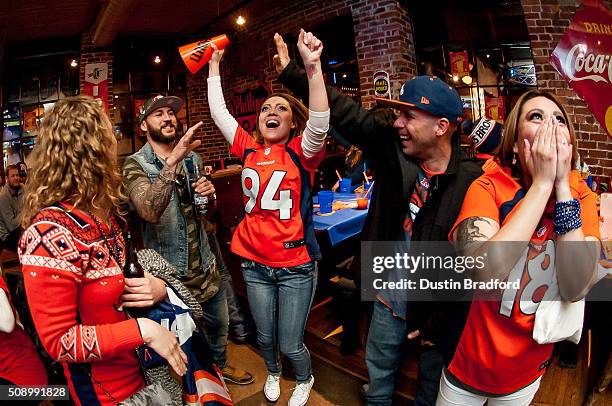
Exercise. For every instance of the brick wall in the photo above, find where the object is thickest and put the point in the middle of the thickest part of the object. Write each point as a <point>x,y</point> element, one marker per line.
<point>90,54</point>
<point>547,21</point>
<point>383,40</point>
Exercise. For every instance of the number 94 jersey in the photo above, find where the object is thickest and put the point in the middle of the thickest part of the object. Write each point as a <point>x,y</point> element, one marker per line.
<point>277,228</point>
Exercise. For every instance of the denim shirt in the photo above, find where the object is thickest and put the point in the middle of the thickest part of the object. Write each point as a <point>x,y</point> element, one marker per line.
<point>169,236</point>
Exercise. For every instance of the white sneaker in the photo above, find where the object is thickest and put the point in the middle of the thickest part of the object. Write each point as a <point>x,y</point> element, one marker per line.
<point>301,393</point>
<point>272,388</point>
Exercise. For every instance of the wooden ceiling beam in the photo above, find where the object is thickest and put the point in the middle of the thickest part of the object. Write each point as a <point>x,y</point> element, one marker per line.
<point>111,20</point>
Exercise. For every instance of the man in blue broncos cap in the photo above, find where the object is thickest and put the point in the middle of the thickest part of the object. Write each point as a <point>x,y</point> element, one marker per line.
<point>421,178</point>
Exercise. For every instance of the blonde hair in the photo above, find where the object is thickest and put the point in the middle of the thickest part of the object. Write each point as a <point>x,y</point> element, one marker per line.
<point>74,160</point>
<point>298,111</point>
<point>505,153</point>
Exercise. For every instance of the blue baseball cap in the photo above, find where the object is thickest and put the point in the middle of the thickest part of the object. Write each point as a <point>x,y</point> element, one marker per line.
<point>430,94</point>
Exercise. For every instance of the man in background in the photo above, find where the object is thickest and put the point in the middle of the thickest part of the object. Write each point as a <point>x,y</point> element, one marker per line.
<point>11,204</point>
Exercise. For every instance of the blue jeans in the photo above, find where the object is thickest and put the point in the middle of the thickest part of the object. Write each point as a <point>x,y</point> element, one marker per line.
<point>280,299</point>
<point>383,356</point>
<point>216,320</point>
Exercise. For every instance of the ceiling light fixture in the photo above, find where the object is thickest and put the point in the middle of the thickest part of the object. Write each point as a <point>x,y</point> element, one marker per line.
<point>455,78</point>
<point>240,20</point>
<point>157,59</point>
<point>73,63</point>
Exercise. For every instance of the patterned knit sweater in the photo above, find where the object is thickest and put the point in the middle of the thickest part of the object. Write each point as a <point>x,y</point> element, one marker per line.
<point>73,285</point>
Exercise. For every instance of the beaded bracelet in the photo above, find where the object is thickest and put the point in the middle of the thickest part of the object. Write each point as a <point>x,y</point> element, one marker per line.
<point>567,216</point>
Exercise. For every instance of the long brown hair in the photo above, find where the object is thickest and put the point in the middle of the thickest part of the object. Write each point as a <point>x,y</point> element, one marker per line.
<point>298,111</point>
<point>74,160</point>
<point>505,154</point>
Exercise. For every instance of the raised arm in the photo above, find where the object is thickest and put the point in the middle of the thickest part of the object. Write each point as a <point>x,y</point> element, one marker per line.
<point>313,139</point>
<point>357,125</point>
<point>226,123</point>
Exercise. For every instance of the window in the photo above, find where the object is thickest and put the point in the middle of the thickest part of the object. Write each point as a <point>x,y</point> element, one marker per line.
<point>31,84</point>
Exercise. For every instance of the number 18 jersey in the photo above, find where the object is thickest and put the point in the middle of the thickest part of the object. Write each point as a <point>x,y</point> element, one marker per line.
<point>496,353</point>
<point>277,227</point>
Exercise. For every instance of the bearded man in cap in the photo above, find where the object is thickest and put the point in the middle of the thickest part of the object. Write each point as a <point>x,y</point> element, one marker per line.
<point>159,182</point>
<point>421,179</point>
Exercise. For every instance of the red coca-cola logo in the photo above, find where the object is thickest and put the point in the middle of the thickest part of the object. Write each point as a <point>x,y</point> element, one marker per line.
<point>583,57</point>
<point>593,65</point>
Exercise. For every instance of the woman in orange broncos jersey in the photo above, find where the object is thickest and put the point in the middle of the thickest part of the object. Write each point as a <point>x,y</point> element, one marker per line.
<point>523,212</point>
<point>276,236</point>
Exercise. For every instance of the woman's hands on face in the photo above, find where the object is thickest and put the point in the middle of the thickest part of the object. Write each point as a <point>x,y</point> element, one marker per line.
<point>541,155</point>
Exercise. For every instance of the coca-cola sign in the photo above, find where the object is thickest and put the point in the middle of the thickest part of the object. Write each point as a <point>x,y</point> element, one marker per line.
<point>584,58</point>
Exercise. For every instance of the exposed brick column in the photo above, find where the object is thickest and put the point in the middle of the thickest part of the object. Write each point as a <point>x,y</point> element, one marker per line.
<point>547,21</point>
<point>90,54</point>
<point>384,41</point>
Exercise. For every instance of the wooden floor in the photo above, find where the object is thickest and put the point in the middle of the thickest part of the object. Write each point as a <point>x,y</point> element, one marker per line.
<point>571,387</point>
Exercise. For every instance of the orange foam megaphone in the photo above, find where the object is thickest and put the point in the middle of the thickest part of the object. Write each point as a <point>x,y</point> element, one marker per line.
<point>197,54</point>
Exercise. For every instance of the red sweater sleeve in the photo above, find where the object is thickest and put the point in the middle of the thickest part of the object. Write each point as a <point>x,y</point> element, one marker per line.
<point>52,261</point>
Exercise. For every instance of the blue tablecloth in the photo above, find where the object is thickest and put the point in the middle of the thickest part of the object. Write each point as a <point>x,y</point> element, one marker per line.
<point>341,224</point>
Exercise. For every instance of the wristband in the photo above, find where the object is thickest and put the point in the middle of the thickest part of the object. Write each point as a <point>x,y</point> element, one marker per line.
<point>567,216</point>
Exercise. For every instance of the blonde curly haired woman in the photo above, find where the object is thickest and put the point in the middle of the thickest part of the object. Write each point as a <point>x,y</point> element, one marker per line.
<point>72,253</point>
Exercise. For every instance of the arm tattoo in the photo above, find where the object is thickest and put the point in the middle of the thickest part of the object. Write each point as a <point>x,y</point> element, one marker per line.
<point>468,232</point>
<point>152,199</point>
<point>311,70</point>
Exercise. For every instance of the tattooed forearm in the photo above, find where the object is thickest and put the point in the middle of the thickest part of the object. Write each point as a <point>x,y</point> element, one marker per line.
<point>468,232</point>
<point>311,69</point>
<point>151,199</point>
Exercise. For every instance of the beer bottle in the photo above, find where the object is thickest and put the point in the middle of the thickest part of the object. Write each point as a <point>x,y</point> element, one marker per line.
<point>132,268</point>
<point>200,202</point>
